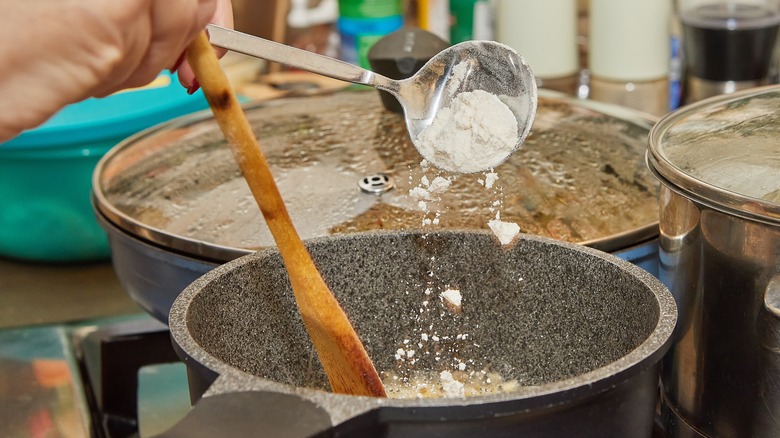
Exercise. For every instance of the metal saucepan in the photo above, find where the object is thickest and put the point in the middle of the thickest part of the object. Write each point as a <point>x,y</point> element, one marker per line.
<point>719,164</point>
<point>582,332</point>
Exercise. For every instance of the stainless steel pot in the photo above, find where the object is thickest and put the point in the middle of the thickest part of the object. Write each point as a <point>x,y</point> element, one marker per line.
<point>581,331</point>
<point>719,164</point>
<point>175,205</point>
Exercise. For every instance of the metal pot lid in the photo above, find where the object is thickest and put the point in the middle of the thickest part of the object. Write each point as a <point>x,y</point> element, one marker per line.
<point>344,164</point>
<point>724,152</point>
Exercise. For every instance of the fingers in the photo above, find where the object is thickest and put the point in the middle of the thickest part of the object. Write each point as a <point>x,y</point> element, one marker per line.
<point>222,16</point>
<point>84,48</point>
<point>124,28</point>
<point>172,25</point>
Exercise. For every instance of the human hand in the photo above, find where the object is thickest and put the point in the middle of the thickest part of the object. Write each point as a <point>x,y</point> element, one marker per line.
<point>223,16</point>
<point>174,24</point>
<point>57,52</point>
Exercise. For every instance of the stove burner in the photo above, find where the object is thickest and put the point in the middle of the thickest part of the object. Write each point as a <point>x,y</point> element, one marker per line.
<point>109,359</point>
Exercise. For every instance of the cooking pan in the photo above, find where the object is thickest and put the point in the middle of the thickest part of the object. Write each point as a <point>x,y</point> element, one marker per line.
<point>581,331</point>
<point>175,205</point>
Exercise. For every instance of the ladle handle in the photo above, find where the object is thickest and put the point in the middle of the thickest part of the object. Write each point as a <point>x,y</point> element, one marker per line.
<point>294,57</point>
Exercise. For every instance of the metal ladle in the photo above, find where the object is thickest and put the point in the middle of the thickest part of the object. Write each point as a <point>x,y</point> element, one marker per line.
<point>491,66</point>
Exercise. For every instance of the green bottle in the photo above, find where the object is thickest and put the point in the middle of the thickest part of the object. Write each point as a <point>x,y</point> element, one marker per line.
<point>364,22</point>
<point>471,20</point>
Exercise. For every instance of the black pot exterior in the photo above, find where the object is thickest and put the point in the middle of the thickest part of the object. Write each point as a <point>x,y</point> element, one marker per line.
<point>627,410</point>
<point>152,276</point>
<point>624,411</point>
<point>220,328</point>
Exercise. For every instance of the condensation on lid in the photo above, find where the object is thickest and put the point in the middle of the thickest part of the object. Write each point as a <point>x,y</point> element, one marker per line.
<point>580,177</point>
<point>724,151</point>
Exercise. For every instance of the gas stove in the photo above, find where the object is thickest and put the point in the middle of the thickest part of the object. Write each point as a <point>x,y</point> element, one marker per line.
<point>78,358</point>
<point>115,377</point>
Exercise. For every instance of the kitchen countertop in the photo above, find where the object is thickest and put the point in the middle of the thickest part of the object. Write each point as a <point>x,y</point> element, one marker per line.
<point>40,391</point>
<point>37,293</point>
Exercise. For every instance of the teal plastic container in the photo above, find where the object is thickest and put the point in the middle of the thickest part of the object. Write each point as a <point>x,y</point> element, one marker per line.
<point>46,173</point>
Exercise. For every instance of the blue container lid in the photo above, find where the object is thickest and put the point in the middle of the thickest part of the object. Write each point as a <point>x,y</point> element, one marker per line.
<point>118,115</point>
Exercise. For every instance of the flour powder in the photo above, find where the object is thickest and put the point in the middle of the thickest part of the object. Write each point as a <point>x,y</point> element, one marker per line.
<point>476,132</point>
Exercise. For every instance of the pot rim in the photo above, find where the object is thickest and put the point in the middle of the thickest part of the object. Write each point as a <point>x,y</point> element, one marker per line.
<point>643,357</point>
<point>678,180</point>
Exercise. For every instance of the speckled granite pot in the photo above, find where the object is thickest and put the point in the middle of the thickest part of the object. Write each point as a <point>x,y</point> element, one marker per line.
<point>582,330</point>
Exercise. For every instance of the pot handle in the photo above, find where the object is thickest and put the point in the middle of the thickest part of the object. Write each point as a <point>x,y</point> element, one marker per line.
<point>252,414</point>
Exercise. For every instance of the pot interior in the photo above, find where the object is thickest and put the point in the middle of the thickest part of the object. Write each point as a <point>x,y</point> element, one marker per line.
<point>539,312</point>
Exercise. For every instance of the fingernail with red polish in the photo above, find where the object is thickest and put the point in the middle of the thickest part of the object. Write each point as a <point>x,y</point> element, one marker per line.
<point>194,87</point>
<point>177,64</point>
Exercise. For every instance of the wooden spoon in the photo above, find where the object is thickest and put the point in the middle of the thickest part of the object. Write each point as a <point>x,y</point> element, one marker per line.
<point>346,363</point>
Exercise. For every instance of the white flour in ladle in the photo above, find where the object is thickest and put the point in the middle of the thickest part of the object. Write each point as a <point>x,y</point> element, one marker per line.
<point>476,132</point>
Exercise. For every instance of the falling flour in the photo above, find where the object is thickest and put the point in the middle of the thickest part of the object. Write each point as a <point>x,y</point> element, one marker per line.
<point>431,345</point>
<point>452,299</point>
<point>490,179</point>
<point>476,132</point>
<point>504,231</point>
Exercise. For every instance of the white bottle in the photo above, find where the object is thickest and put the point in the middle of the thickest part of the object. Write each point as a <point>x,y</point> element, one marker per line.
<point>434,16</point>
<point>629,53</point>
<point>545,34</point>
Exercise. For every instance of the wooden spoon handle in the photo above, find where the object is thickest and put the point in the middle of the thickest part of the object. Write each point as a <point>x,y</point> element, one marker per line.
<point>346,363</point>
